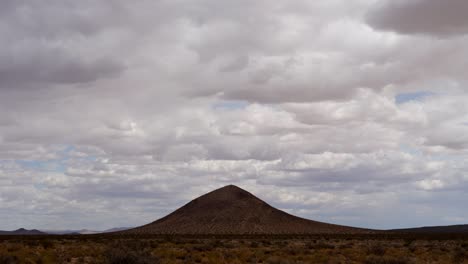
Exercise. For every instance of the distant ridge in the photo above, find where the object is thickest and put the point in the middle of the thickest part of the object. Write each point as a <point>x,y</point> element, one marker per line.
<point>435,229</point>
<point>115,229</point>
<point>232,210</point>
<point>83,231</point>
<point>22,231</point>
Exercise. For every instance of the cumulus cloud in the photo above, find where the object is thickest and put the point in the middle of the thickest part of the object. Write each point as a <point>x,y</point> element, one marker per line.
<point>117,107</point>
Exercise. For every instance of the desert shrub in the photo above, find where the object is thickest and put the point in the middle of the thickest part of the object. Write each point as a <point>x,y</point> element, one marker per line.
<point>309,245</point>
<point>254,244</point>
<point>14,247</point>
<point>459,255</point>
<point>277,260</point>
<point>128,257</point>
<point>292,251</point>
<point>31,243</point>
<point>217,244</point>
<point>377,249</point>
<point>154,244</point>
<point>178,242</point>
<point>123,254</point>
<point>229,255</point>
<point>408,242</point>
<point>253,259</point>
<point>444,249</point>
<point>203,247</point>
<point>284,243</point>
<point>346,245</point>
<point>8,259</point>
<point>412,248</point>
<point>385,260</point>
<point>46,244</point>
<point>322,245</point>
<point>230,245</point>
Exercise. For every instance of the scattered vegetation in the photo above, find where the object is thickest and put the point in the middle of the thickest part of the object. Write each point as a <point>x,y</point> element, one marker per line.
<point>133,252</point>
<point>369,249</point>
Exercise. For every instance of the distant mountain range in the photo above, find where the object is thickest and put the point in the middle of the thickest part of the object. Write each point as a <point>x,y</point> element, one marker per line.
<point>435,229</point>
<point>83,231</point>
<point>22,231</point>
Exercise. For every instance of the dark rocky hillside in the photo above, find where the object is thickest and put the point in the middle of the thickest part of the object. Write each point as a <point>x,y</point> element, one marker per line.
<point>232,210</point>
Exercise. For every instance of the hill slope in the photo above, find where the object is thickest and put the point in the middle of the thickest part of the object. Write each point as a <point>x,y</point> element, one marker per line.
<point>232,210</point>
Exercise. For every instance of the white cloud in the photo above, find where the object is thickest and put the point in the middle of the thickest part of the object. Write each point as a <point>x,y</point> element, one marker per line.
<point>140,107</point>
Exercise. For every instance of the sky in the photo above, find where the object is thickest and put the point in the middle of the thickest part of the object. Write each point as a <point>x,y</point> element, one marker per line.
<point>115,113</point>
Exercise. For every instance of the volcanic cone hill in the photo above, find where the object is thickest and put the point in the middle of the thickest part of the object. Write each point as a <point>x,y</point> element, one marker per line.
<point>232,210</point>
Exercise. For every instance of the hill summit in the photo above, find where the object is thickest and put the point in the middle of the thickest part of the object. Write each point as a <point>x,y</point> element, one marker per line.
<point>232,210</point>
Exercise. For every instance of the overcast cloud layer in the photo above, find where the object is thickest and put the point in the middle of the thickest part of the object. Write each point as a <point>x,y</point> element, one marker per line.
<point>114,113</point>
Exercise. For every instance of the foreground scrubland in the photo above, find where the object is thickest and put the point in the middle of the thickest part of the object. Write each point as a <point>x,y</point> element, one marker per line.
<point>384,249</point>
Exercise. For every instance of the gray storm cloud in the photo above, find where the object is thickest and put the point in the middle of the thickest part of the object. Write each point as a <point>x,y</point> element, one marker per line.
<point>428,17</point>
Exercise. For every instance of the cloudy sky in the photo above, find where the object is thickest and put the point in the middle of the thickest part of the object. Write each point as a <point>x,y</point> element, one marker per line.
<point>114,113</point>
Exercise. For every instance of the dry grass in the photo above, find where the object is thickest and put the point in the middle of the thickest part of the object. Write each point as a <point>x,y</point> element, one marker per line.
<point>264,249</point>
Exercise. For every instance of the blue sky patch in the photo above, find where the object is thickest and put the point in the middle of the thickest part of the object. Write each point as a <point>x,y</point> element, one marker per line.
<point>42,165</point>
<point>230,105</point>
<point>410,150</point>
<point>402,98</point>
<point>55,165</point>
